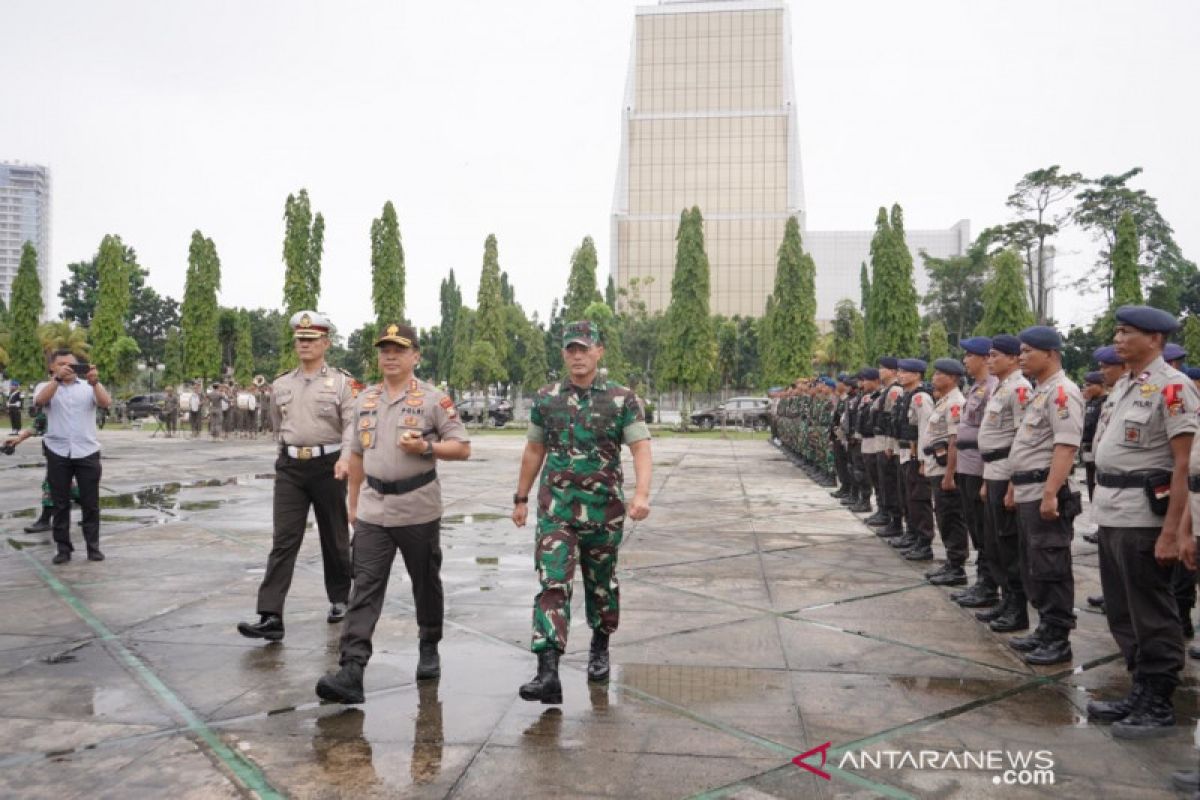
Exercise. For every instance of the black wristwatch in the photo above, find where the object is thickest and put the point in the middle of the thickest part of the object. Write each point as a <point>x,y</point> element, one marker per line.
<point>428,450</point>
<point>518,499</point>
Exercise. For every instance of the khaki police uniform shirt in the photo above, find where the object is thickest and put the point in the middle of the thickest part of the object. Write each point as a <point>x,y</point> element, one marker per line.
<point>969,462</point>
<point>1194,497</point>
<point>381,419</point>
<point>1140,417</point>
<point>920,406</point>
<point>312,411</point>
<point>941,424</point>
<point>1001,418</point>
<point>1053,416</point>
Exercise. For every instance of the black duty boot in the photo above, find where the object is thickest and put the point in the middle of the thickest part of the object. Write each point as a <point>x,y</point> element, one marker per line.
<point>1092,538</point>
<point>1152,716</point>
<point>269,627</point>
<point>952,576</point>
<point>1105,711</point>
<point>598,658</point>
<point>840,493</point>
<point>921,551</point>
<point>903,541</point>
<point>1194,651</point>
<point>545,685</point>
<point>996,612</point>
<point>43,522</point>
<point>429,665</point>
<point>343,686</point>
<point>849,499</point>
<point>1055,648</point>
<point>1030,641</point>
<point>893,529</point>
<point>863,506</point>
<point>938,570</point>
<point>1016,618</point>
<point>878,519</point>
<point>1096,601</point>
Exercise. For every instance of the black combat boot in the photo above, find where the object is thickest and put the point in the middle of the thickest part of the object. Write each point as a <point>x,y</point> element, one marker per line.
<point>895,527</point>
<point>903,541</point>
<point>1096,601</point>
<point>863,506</point>
<point>1055,648</point>
<point>850,498</point>
<point>1185,616</point>
<point>1030,641</point>
<point>1105,711</point>
<point>598,658</point>
<point>878,519</point>
<point>343,686</point>
<point>938,570</point>
<point>997,611</point>
<point>920,551</point>
<point>1016,618</point>
<point>1153,715</point>
<point>1194,651</point>
<point>545,685</point>
<point>43,522</point>
<point>1092,538</point>
<point>979,596</point>
<point>429,665</point>
<point>952,576</point>
<point>269,627</point>
<point>840,493</point>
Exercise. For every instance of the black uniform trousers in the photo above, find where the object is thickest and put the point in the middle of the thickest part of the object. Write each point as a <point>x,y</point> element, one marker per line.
<point>1183,586</point>
<point>841,463</point>
<point>172,420</point>
<point>196,421</point>
<point>858,471</point>
<point>374,551</point>
<point>918,499</point>
<point>975,515</point>
<point>86,471</point>
<point>948,508</point>
<point>889,485</point>
<point>902,494</point>
<point>299,485</point>
<point>871,466</point>
<point>14,418</point>
<point>1046,564</point>
<point>1142,613</point>
<point>1004,540</point>
<point>1089,471</point>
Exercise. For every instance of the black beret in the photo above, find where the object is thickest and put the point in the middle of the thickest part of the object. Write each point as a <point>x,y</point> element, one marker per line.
<point>1041,337</point>
<point>1009,345</point>
<point>868,374</point>
<point>949,366</point>
<point>977,345</point>
<point>912,365</point>
<point>1173,352</point>
<point>1147,318</point>
<point>1094,377</point>
<point>1107,355</point>
<point>888,361</point>
<point>1192,372</point>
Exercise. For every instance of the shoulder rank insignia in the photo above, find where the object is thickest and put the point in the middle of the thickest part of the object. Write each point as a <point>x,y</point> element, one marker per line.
<point>1173,396</point>
<point>364,439</point>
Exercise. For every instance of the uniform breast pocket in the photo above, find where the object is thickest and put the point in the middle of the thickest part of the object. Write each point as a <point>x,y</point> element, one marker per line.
<point>283,399</point>
<point>1135,426</point>
<point>327,404</point>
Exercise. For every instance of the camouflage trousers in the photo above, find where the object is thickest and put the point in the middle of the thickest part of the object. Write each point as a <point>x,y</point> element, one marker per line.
<point>560,546</point>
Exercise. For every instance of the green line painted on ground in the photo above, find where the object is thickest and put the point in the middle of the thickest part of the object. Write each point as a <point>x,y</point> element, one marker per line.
<point>245,770</point>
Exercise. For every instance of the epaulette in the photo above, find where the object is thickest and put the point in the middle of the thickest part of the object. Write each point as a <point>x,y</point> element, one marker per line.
<point>280,375</point>
<point>346,373</point>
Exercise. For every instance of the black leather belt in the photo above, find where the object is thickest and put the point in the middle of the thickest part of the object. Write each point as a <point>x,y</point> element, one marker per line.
<point>1194,483</point>
<point>1026,477</point>
<point>960,446</point>
<point>402,486</point>
<point>995,455</point>
<point>1136,481</point>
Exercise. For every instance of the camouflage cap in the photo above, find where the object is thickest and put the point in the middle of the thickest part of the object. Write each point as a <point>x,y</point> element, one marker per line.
<point>583,332</point>
<point>394,333</point>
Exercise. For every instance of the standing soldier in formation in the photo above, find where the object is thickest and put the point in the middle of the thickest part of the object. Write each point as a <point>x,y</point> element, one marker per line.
<point>312,414</point>
<point>405,426</point>
<point>940,461</point>
<point>911,412</point>
<point>576,428</point>
<point>1142,447</point>
<point>216,413</point>
<point>266,397</point>
<point>840,441</point>
<point>968,475</point>
<point>891,496</point>
<point>868,378</point>
<point>1001,419</point>
<point>1094,395</point>
<point>171,412</point>
<point>195,403</point>
<point>16,399</point>
<point>1041,459</point>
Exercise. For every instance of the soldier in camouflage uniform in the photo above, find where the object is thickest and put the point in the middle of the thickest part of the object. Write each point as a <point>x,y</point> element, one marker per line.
<point>576,427</point>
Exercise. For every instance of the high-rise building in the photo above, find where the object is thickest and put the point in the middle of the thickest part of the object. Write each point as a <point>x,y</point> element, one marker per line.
<point>710,120</point>
<point>24,217</point>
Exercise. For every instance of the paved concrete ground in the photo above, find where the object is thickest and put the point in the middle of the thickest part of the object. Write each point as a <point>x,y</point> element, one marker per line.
<point>760,620</point>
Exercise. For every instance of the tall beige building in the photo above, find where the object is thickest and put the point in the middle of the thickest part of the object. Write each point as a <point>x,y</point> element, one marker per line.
<point>709,120</point>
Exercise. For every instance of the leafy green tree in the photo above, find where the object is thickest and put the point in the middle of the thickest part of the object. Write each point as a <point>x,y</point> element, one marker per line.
<point>110,351</point>
<point>62,335</point>
<point>243,359</point>
<point>1126,284</point>
<point>1190,336</point>
<point>26,360</point>
<point>610,294</point>
<point>266,324</point>
<point>460,375</point>
<point>581,285</point>
<point>173,373</point>
<point>864,288</point>
<point>387,267</point>
<point>936,341</point>
<point>489,314</point>
<point>450,301</point>
<point>610,329</point>
<point>956,289</point>
<point>1005,304</point>
<point>303,246</point>
<point>200,314</point>
<point>642,335</point>
<point>688,344</point>
<point>534,371</point>
<point>848,348</point>
<point>790,328</point>
<point>894,319</point>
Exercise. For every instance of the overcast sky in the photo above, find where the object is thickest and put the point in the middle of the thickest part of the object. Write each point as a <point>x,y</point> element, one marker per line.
<point>486,117</point>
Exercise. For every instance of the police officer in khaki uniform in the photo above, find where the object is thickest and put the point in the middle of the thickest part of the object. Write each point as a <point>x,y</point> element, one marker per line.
<point>312,411</point>
<point>404,426</point>
<point>1001,418</point>
<point>968,471</point>
<point>940,461</point>
<point>1143,443</point>
<point>911,412</point>
<point>891,479</point>
<point>1043,454</point>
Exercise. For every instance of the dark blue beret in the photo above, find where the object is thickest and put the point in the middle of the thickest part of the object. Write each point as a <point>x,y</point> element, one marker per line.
<point>977,345</point>
<point>1147,318</point>
<point>949,366</point>
<point>828,382</point>
<point>1041,337</point>
<point>842,376</point>
<point>1173,352</point>
<point>912,365</point>
<point>1093,377</point>
<point>1107,355</point>
<point>851,380</point>
<point>1009,345</point>
<point>868,374</point>
<point>888,361</point>
<point>1192,372</point>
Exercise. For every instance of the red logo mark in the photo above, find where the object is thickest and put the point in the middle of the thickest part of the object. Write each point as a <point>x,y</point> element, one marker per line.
<point>823,750</point>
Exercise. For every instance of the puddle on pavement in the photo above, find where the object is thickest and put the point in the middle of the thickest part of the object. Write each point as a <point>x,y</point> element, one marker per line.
<point>470,519</point>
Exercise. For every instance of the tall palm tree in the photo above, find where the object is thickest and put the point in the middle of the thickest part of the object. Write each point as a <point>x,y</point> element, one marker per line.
<point>63,335</point>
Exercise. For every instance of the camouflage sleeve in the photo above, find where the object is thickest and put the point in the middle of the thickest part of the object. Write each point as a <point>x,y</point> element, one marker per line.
<point>537,423</point>
<point>633,420</point>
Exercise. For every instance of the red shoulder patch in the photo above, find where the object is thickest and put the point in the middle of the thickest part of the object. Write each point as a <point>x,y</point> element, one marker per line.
<point>917,400</point>
<point>955,411</point>
<point>446,402</point>
<point>1061,399</point>
<point>1173,396</point>
<point>1022,394</point>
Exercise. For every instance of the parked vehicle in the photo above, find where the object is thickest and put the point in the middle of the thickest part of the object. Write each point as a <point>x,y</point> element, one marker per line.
<point>145,405</point>
<point>747,412</point>
<point>500,411</point>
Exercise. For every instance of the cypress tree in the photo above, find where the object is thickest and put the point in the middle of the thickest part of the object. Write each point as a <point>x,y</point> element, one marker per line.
<point>848,351</point>
<point>489,344</point>
<point>199,317</point>
<point>450,302</point>
<point>303,245</point>
<point>243,351</point>
<point>1127,285</point>
<point>26,360</point>
<point>387,268</point>
<point>689,347</point>
<point>113,351</point>
<point>1190,336</point>
<point>938,340</point>
<point>610,294</point>
<point>791,328</point>
<point>894,295</point>
<point>581,285</point>
<point>1005,303</point>
<point>173,358</point>
<point>610,329</point>
<point>535,369</point>
<point>879,256</point>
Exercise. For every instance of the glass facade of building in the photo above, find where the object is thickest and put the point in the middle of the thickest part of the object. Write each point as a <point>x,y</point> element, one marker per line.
<point>24,217</point>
